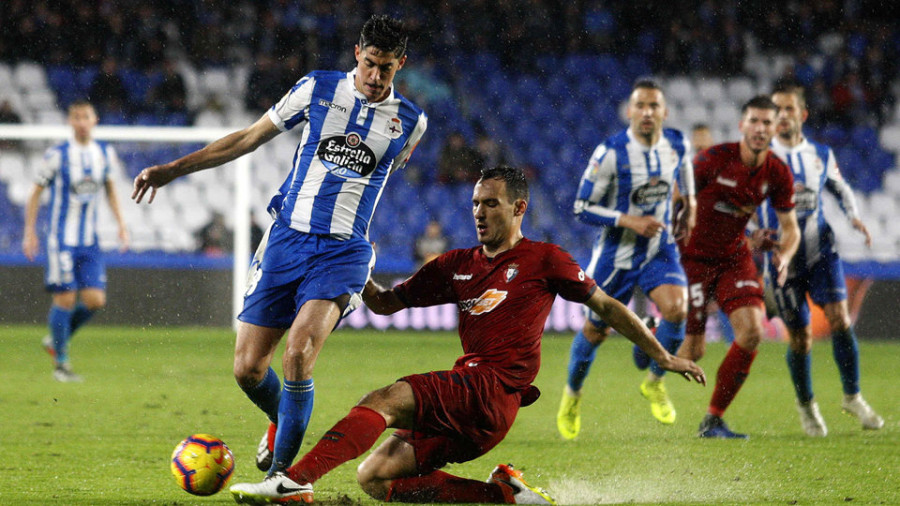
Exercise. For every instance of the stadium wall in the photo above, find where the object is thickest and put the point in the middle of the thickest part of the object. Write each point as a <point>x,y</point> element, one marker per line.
<point>201,296</point>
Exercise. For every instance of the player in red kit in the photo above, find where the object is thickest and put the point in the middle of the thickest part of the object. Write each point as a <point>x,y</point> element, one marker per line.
<point>503,290</point>
<point>731,181</point>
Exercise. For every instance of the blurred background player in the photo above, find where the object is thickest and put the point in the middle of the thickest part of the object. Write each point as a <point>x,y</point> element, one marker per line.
<point>75,171</point>
<point>312,265</point>
<point>701,137</point>
<point>816,269</point>
<point>732,181</point>
<point>460,414</point>
<point>627,190</point>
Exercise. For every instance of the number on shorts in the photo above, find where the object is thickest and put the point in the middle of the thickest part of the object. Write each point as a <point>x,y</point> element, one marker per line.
<point>695,291</point>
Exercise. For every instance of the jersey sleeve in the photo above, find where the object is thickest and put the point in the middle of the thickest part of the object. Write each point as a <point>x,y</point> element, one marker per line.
<point>686,184</point>
<point>566,277</point>
<point>411,143</point>
<point>781,189</point>
<point>293,108</point>
<point>430,285</point>
<point>49,167</point>
<point>838,186</point>
<point>597,180</point>
<point>115,170</point>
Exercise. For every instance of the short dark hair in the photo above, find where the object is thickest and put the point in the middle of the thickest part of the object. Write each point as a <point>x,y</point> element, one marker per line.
<point>648,84</point>
<point>385,33</point>
<point>79,102</point>
<point>700,126</point>
<point>516,183</point>
<point>759,102</point>
<point>791,88</point>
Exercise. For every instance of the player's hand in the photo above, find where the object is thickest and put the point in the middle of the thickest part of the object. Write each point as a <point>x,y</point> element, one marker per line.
<point>688,369</point>
<point>781,267</point>
<point>859,225</point>
<point>646,226</point>
<point>30,245</point>
<point>151,178</point>
<point>763,239</point>
<point>683,222</point>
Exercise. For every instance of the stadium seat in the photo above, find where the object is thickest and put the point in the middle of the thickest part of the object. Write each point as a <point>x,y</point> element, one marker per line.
<point>740,89</point>
<point>6,78</point>
<point>680,89</point>
<point>710,91</point>
<point>29,75</point>
<point>12,167</point>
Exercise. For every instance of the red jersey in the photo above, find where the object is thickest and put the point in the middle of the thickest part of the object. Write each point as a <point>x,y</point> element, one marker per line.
<point>728,193</point>
<point>503,302</point>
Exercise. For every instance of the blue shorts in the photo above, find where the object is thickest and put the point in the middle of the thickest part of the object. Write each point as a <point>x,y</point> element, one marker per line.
<point>824,282</point>
<point>74,268</point>
<point>291,268</point>
<point>662,269</point>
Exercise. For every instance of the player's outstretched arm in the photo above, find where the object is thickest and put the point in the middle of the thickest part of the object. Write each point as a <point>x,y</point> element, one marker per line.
<point>214,154</point>
<point>112,196</point>
<point>381,300</point>
<point>787,244</point>
<point>629,325</point>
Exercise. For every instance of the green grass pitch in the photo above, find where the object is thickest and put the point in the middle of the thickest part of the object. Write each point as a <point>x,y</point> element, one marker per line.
<point>108,441</point>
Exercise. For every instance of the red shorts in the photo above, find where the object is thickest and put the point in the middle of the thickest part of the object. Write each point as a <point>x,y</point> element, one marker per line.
<point>460,415</point>
<point>732,282</point>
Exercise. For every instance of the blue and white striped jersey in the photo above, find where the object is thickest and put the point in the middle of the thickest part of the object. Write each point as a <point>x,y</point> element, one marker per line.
<point>75,174</point>
<point>627,177</point>
<point>348,149</point>
<point>815,169</point>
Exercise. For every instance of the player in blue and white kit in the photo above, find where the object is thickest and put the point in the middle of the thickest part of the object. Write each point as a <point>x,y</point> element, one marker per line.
<point>75,171</point>
<point>627,190</point>
<point>314,260</point>
<point>816,269</point>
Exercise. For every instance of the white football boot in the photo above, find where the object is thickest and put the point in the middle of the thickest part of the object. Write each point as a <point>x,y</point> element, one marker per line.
<point>275,489</point>
<point>811,419</point>
<point>858,407</point>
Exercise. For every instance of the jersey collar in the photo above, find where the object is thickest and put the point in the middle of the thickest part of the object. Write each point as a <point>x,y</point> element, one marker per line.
<point>351,81</point>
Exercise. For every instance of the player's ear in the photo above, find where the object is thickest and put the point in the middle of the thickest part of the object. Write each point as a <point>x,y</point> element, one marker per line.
<point>520,206</point>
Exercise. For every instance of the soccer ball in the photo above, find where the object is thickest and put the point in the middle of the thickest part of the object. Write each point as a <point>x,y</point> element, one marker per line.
<point>202,464</point>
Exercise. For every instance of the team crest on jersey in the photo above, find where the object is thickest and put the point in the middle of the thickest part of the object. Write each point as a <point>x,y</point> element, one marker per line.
<point>86,189</point>
<point>347,156</point>
<point>649,195</point>
<point>511,272</point>
<point>806,200</point>
<point>485,303</point>
<point>394,128</point>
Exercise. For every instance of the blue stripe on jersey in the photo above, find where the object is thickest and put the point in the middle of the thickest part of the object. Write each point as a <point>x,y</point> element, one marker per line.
<point>620,144</point>
<point>62,197</point>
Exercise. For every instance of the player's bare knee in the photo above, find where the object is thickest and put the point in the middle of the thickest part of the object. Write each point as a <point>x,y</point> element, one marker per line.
<point>673,310</point>
<point>801,341</point>
<point>594,334</point>
<point>248,373</point>
<point>370,482</point>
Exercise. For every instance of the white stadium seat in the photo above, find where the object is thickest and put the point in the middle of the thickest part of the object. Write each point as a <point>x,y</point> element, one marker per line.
<point>30,75</point>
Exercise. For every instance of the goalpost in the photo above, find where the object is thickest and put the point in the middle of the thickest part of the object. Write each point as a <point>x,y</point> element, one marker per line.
<point>172,135</point>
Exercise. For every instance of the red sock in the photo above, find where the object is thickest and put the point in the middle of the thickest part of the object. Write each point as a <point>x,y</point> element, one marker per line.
<point>440,487</point>
<point>348,439</point>
<point>732,373</point>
